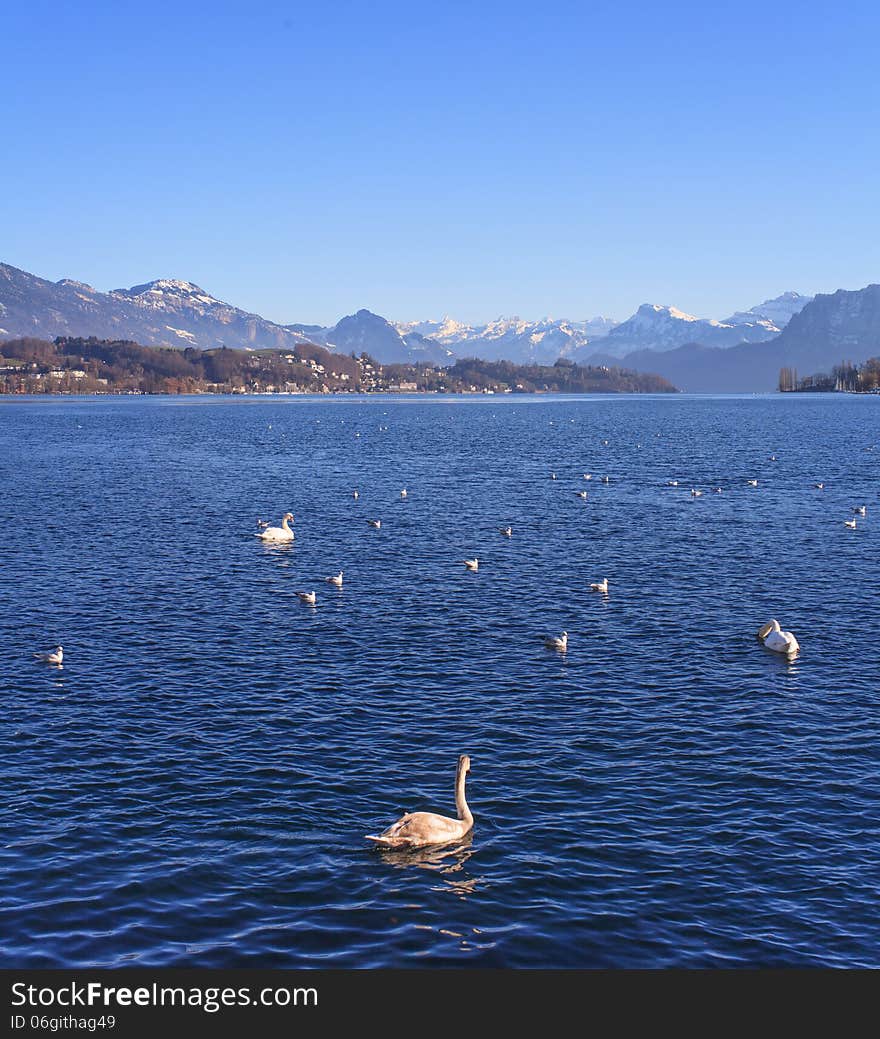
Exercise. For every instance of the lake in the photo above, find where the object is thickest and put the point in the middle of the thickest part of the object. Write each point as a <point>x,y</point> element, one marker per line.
<point>193,787</point>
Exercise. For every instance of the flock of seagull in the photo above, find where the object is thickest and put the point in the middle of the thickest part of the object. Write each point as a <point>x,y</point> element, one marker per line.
<point>421,829</point>
<point>770,634</point>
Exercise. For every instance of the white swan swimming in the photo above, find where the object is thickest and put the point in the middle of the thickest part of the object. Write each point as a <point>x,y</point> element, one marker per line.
<point>309,598</point>
<point>417,829</point>
<point>850,523</point>
<point>600,586</point>
<point>282,533</point>
<point>376,524</point>
<point>472,564</point>
<point>560,644</point>
<point>55,657</point>
<point>337,580</point>
<point>506,531</point>
<point>773,637</point>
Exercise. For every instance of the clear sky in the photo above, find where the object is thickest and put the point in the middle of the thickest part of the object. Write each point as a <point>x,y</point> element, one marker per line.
<point>564,159</point>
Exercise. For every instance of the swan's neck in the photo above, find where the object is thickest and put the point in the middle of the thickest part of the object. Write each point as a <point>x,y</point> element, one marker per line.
<point>464,813</point>
<point>285,523</point>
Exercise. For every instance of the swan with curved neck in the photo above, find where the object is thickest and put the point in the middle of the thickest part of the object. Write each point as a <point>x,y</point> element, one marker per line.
<point>773,637</point>
<point>282,533</point>
<point>418,829</point>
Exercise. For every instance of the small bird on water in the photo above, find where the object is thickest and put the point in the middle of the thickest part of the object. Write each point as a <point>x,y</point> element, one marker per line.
<point>403,493</point>
<point>376,524</point>
<point>309,598</point>
<point>506,531</point>
<point>55,657</point>
<point>850,523</point>
<point>581,494</point>
<point>337,580</point>
<point>560,643</point>
<point>600,586</point>
<point>472,564</point>
<point>355,495</point>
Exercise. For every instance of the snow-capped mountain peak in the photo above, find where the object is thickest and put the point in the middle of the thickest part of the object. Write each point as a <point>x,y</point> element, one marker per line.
<point>773,314</point>
<point>165,292</point>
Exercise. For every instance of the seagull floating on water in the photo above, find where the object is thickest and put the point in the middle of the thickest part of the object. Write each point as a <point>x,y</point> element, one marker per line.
<point>850,523</point>
<point>773,637</point>
<point>588,476</point>
<point>600,586</point>
<point>309,598</point>
<point>672,483</point>
<point>606,479</point>
<point>355,495</point>
<point>695,493</point>
<point>282,533</point>
<point>506,531</point>
<point>718,490</point>
<point>403,493</point>
<point>337,580</point>
<point>262,524</point>
<point>861,510</point>
<point>581,494</point>
<point>418,829</point>
<point>553,476</point>
<point>472,564</point>
<point>375,523</point>
<point>752,483</point>
<point>819,486</point>
<point>55,657</point>
<point>560,643</point>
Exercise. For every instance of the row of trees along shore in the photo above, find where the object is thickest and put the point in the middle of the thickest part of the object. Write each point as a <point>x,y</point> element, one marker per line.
<point>843,378</point>
<point>90,365</point>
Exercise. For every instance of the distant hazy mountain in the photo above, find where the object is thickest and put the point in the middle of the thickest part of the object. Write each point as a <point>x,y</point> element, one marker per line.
<point>365,332</point>
<point>655,327</point>
<point>772,314</point>
<point>841,326</point>
<point>168,312</point>
<point>513,339</point>
<point>165,312</point>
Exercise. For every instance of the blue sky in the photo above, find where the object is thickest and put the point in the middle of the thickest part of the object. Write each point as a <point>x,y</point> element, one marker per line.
<point>478,159</point>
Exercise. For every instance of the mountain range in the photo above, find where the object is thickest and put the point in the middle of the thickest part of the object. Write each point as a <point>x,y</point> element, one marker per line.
<point>743,352</point>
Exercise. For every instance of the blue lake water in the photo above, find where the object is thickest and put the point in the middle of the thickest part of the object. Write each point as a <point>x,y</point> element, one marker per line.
<point>193,787</point>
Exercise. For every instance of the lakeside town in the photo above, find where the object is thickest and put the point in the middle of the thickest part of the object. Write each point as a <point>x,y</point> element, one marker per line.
<point>69,365</point>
